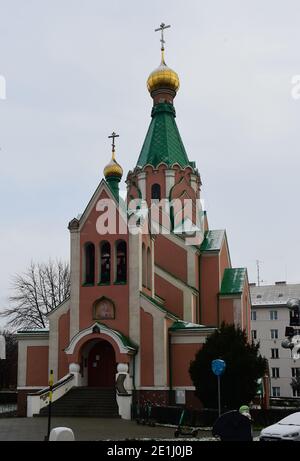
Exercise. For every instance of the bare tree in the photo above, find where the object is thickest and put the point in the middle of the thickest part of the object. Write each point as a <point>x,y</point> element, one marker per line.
<point>36,293</point>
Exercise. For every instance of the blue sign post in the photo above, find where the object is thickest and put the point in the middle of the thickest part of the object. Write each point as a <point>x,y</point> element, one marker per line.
<point>218,367</point>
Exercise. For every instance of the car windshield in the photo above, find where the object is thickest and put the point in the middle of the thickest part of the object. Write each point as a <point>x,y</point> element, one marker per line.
<point>291,420</point>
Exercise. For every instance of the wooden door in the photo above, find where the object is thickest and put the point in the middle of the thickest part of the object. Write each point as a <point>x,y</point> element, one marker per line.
<point>102,365</point>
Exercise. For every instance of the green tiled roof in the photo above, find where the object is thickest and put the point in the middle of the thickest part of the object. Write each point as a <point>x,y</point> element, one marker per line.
<point>124,339</point>
<point>233,281</point>
<point>212,240</point>
<point>163,142</point>
<point>181,325</point>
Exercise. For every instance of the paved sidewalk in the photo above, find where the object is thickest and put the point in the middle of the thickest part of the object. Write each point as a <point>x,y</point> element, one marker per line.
<point>91,429</point>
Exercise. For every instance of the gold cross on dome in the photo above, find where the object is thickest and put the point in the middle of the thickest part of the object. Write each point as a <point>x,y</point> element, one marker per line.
<point>113,136</point>
<point>162,27</point>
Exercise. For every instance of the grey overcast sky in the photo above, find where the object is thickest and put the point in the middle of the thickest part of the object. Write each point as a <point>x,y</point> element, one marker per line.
<point>76,70</point>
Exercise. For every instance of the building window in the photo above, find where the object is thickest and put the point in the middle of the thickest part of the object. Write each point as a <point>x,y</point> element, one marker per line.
<point>273,315</point>
<point>275,372</point>
<point>296,392</point>
<point>295,372</point>
<point>253,315</point>
<point>144,265</point>
<point>149,270</point>
<point>274,353</point>
<point>155,192</point>
<point>89,263</point>
<point>121,271</point>
<point>254,334</point>
<point>105,262</point>
<point>274,334</point>
<point>275,391</point>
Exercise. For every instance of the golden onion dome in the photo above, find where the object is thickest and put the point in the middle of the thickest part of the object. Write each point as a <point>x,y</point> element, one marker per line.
<point>113,168</point>
<point>163,77</point>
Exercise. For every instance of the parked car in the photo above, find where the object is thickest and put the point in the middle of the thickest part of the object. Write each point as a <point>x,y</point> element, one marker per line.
<point>287,428</point>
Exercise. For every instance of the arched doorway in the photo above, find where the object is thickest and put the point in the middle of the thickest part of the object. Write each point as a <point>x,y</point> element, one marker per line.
<point>101,365</point>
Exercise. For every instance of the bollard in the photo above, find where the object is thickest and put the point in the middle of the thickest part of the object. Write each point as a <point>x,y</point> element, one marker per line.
<point>61,434</point>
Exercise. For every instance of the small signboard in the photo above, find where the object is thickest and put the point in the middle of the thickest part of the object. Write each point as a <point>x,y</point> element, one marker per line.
<point>218,367</point>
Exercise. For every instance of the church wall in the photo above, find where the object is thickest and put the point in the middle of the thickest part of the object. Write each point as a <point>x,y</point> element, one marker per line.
<point>173,296</point>
<point>171,257</point>
<point>37,366</point>
<point>224,260</point>
<point>118,293</point>
<point>210,285</point>
<point>227,311</point>
<point>182,355</point>
<point>63,341</point>
<point>147,349</point>
<point>155,177</point>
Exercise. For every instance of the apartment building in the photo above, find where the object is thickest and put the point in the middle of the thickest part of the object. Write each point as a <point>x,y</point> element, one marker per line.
<point>269,318</point>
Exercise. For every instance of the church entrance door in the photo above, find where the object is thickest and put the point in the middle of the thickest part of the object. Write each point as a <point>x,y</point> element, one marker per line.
<point>102,365</point>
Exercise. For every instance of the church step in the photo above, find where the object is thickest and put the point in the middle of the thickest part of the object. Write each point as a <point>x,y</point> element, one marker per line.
<point>85,401</point>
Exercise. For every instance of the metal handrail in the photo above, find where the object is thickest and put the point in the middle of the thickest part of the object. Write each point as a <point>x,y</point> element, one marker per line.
<point>55,386</point>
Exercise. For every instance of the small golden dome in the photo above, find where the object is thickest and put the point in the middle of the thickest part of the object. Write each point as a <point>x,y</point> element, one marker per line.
<point>163,77</point>
<point>113,169</point>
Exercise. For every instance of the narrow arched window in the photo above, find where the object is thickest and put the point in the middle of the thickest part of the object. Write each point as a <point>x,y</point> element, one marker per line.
<point>144,265</point>
<point>155,192</point>
<point>105,261</point>
<point>89,254</point>
<point>121,260</point>
<point>149,269</point>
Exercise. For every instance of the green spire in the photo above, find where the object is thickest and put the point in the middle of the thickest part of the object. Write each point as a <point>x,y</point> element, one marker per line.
<point>163,142</point>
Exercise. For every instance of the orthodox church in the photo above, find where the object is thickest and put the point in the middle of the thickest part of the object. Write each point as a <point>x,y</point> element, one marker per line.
<point>143,298</point>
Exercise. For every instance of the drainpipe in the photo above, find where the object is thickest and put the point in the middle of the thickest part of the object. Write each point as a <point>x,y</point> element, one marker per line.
<point>170,368</point>
<point>199,314</point>
<point>134,388</point>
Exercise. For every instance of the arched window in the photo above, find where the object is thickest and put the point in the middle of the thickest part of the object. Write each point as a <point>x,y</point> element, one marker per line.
<point>89,254</point>
<point>105,262</point>
<point>149,269</point>
<point>121,266</point>
<point>155,192</point>
<point>144,265</point>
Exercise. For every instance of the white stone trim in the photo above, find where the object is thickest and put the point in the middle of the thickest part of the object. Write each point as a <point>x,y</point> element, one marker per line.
<point>188,339</point>
<point>153,388</point>
<point>141,178</point>
<point>104,330</point>
<point>185,388</point>
<point>160,335</point>
<point>169,180</point>
<point>135,286</point>
<point>36,402</point>
<point>191,270</point>
<point>27,388</point>
<point>194,184</point>
<point>54,336</point>
<point>75,281</point>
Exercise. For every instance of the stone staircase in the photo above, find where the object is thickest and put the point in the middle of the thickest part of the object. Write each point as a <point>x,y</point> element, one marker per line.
<point>85,401</point>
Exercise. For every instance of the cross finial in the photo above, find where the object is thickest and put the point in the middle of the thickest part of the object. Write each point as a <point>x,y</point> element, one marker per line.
<point>161,28</point>
<point>113,136</point>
